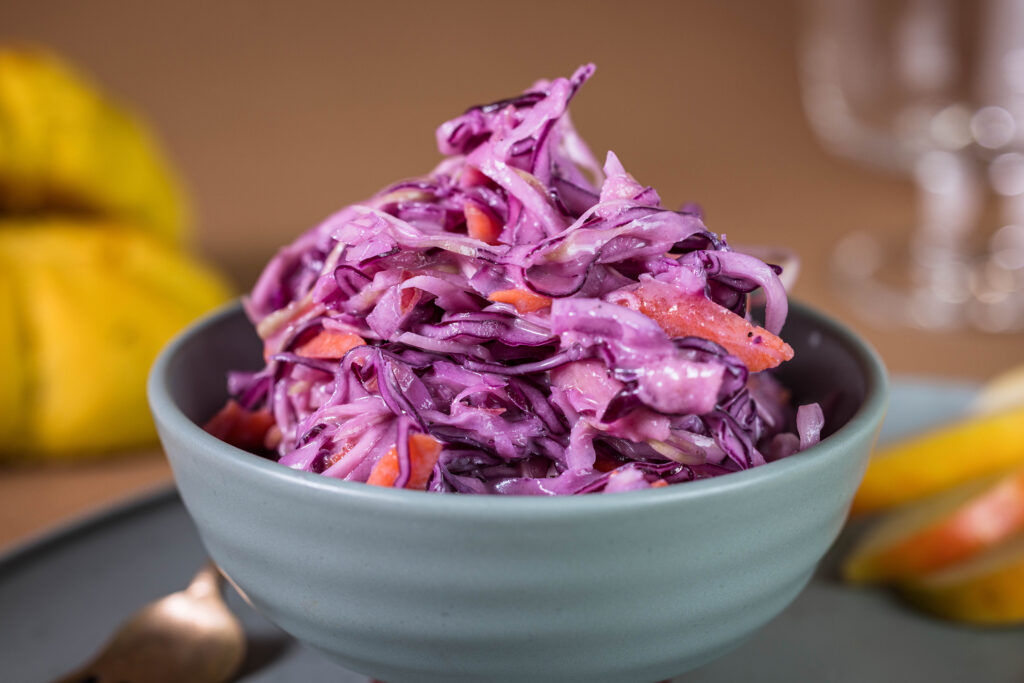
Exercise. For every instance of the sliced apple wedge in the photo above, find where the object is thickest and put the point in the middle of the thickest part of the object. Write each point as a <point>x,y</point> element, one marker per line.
<point>924,465</point>
<point>987,589</point>
<point>940,531</point>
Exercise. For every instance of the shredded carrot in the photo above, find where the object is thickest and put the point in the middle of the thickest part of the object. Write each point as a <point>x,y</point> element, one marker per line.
<point>682,315</point>
<point>386,470</point>
<point>472,177</point>
<point>603,463</point>
<point>245,429</point>
<point>524,301</point>
<point>423,453</point>
<point>661,483</point>
<point>480,224</point>
<point>409,298</point>
<point>329,344</point>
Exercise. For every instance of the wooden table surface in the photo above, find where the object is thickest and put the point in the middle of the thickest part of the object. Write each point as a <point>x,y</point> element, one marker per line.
<point>278,114</point>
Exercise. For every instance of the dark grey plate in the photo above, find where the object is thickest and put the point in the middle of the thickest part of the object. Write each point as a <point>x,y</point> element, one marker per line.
<point>63,594</point>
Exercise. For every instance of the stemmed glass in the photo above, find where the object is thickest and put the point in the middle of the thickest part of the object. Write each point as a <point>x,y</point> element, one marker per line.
<point>933,89</point>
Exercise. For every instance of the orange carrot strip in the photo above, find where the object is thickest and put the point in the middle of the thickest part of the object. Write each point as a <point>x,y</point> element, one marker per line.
<point>423,453</point>
<point>472,177</point>
<point>603,463</point>
<point>524,301</point>
<point>333,458</point>
<point>682,315</point>
<point>424,450</point>
<point>409,298</point>
<point>480,224</point>
<point>386,470</point>
<point>239,427</point>
<point>329,344</point>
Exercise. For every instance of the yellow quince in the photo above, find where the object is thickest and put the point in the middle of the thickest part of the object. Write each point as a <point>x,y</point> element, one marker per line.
<point>65,147</point>
<point>94,277</point>
<point>85,309</point>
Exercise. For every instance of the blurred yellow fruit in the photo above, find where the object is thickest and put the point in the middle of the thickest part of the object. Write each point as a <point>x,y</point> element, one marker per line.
<point>954,544</point>
<point>940,531</point>
<point>84,308</point>
<point>66,148</point>
<point>13,370</point>
<point>926,464</point>
<point>987,590</point>
<point>1002,392</point>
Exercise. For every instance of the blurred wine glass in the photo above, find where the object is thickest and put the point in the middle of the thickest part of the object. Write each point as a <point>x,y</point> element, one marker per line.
<point>933,89</point>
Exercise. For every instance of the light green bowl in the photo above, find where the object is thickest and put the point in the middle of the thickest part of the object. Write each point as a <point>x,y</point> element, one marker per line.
<point>414,586</point>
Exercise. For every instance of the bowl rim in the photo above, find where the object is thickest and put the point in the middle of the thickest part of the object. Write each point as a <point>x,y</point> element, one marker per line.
<point>866,419</point>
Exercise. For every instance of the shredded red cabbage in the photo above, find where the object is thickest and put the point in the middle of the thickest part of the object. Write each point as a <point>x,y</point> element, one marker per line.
<point>520,321</point>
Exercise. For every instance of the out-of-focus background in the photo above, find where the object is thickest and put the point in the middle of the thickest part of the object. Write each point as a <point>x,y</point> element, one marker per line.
<point>277,114</point>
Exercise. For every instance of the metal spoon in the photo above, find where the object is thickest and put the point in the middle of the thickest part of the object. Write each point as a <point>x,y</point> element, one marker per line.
<point>187,636</point>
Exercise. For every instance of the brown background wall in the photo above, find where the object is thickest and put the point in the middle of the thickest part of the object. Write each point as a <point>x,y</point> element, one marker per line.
<point>279,113</point>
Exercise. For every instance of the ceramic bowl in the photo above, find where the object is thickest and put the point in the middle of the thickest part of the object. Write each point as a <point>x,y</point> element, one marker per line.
<point>415,586</point>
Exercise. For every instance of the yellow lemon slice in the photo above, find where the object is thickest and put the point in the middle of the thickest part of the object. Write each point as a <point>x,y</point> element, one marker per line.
<point>951,455</point>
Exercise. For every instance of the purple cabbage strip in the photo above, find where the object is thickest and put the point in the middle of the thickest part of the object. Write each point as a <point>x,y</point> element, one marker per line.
<point>563,395</point>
